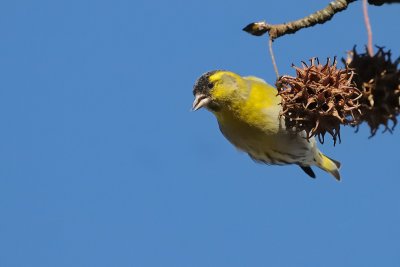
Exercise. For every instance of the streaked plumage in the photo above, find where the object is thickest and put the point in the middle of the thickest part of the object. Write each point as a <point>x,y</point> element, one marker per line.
<point>247,110</point>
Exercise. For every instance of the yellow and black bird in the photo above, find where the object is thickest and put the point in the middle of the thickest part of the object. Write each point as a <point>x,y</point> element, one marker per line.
<point>247,110</point>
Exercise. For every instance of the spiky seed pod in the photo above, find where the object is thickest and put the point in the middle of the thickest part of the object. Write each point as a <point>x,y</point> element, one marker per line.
<point>381,2</point>
<point>319,99</point>
<point>378,78</point>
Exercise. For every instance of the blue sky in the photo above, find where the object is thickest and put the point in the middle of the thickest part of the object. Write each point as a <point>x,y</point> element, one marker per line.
<point>102,164</point>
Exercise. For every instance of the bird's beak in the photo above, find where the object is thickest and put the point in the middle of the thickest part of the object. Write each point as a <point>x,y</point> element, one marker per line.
<point>200,101</point>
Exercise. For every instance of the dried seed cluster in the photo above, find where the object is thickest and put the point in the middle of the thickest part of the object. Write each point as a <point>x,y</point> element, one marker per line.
<point>378,79</point>
<point>319,99</point>
<point>381,2</point>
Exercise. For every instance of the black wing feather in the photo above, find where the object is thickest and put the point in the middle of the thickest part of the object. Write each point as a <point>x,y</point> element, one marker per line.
<point>308,170</point>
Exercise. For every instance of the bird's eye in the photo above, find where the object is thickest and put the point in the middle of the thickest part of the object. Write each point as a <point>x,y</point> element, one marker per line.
<point>210,85</point>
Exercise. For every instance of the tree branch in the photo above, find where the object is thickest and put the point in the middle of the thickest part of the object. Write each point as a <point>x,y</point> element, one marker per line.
<point>319,17</point>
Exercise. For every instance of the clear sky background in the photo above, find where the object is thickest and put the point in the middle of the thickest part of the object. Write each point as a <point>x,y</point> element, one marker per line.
<point>102,164</point>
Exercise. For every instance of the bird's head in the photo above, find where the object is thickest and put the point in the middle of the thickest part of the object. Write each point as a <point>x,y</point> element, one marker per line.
<point>215,90</point>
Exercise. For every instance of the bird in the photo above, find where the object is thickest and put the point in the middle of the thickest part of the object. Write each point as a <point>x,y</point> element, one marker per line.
<point>248,113</point>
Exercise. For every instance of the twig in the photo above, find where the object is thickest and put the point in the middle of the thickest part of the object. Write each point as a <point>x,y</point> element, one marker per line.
<point>368,26</point>
<point>271,52</point>
<point>319,17</point>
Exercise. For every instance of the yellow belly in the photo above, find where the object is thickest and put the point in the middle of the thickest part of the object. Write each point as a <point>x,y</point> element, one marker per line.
<point>272,146</point>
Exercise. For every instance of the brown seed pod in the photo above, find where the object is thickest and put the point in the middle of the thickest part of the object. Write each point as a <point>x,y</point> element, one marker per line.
<point>378,79</point>
<point>381,2</point>
<point>319,99</point>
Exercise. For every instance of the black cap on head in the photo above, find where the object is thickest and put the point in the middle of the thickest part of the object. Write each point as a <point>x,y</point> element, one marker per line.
<point>203,84</point>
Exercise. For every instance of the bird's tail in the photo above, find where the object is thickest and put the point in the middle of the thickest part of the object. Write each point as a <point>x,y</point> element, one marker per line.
<point>329,165</point>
